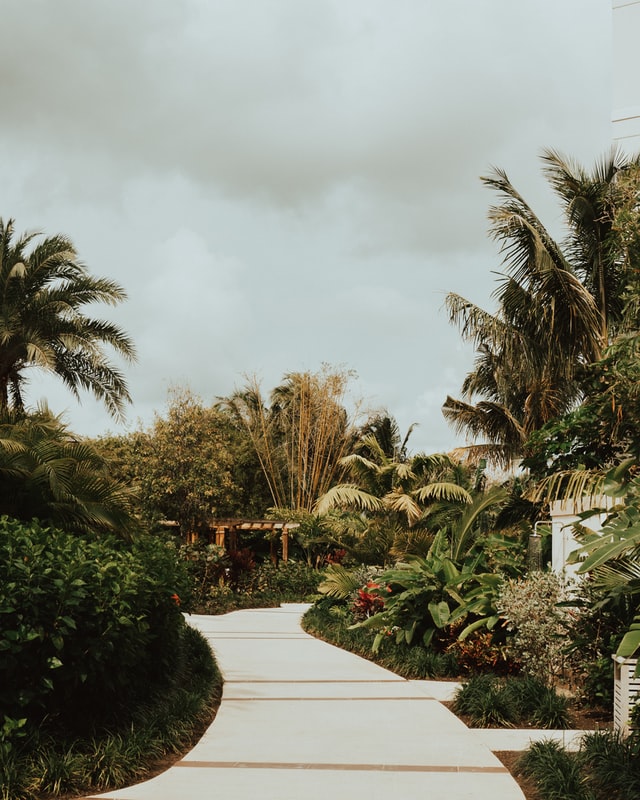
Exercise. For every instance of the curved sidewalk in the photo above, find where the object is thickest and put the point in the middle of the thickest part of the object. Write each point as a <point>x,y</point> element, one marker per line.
<point>303,720</point>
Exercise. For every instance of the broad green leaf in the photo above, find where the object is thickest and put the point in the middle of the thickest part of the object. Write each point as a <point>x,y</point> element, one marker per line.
<point>440,613</point>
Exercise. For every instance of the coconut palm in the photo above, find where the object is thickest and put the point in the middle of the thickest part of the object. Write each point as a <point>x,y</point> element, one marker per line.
<point>558,306</point>
<point>43,291</point>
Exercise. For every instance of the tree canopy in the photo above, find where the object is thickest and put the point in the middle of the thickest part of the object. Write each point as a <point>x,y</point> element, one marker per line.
<point>559,304</point>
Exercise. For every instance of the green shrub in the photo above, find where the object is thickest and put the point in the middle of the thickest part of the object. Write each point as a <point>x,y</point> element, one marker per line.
<point>613,764</point>
<point>490,701</point>
<point>289,581</point>
<point>480,652</point>
<point>556,773</point>
<point>537,626</point>
<point>485,703</point>
<point>84,623</point>
<point>606,767</point>
<point>419,663</point>
<point>52,761</point>
<point>207,565</point>
<point>262,586</point>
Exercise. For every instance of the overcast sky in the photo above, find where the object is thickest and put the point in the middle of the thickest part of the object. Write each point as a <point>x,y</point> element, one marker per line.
<point>279,184</point>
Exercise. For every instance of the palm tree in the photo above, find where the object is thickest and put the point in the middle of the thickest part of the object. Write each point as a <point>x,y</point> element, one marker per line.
<point>399,487</point>
<point>558,306</point>
<point>48,473</point>
<point>43,290</point>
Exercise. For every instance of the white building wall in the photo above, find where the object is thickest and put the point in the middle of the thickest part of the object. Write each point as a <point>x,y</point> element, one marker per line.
<point>564,514</point>
<point>626,75</point>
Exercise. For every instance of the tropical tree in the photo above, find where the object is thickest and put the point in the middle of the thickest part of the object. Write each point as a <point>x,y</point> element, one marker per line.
<point>47,472</point>
<point>570,457</point>
<point>44,289</point>
<point>193,463</point>
<point>401,486</point>
<point>299,435</point>
<point>559,305</point>
<point>394,502</point>
<point>184,464</point>
<point>386,432</point>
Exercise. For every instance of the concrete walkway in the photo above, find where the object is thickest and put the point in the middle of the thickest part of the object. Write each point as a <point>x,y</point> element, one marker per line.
<point>303,720</point>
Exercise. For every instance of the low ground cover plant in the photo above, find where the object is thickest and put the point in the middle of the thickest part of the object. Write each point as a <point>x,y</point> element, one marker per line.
<point>488,701</point>
<point>606,767</point>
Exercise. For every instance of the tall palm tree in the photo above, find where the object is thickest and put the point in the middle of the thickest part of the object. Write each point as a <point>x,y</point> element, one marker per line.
<point>558,306</point>
<point>43,291</point>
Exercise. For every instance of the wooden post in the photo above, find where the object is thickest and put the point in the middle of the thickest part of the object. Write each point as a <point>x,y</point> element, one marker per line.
<point>285,544</point>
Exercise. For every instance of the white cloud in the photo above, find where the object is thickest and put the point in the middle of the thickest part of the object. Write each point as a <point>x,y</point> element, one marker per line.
<point>278,184</point>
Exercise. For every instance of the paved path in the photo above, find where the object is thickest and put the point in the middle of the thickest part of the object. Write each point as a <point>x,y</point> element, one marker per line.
<point>302,720</point>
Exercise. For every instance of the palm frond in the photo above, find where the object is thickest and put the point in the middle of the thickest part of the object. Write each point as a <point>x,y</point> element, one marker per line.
<point>347,495</point>
<point>568,485</point>
<point>403,503</point>
<point>339,582</point>
<point>442,490</point>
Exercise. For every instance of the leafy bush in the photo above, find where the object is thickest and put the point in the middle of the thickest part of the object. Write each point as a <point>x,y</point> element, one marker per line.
<point>50,761</point>
<point>369,600</point>
<point>289,581</point>
<point>207,565</point>
<point>85,623</point>
<point>263,586</point>
<point>536,624</point>
<point>480,652</point>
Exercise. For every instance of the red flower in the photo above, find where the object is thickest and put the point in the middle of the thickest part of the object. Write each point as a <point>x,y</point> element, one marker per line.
<point>175,599</point>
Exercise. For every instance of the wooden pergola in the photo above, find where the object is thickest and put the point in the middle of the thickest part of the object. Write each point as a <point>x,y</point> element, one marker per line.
<point>227,532</point>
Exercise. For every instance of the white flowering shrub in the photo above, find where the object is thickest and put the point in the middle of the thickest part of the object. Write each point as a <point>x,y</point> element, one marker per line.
<point>536,625</point>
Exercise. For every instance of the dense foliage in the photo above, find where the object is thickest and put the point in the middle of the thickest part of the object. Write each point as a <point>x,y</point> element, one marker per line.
<point>606,767</point>
<point>193,464</point>
<point>49,473</point>
<point>86,624</point>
